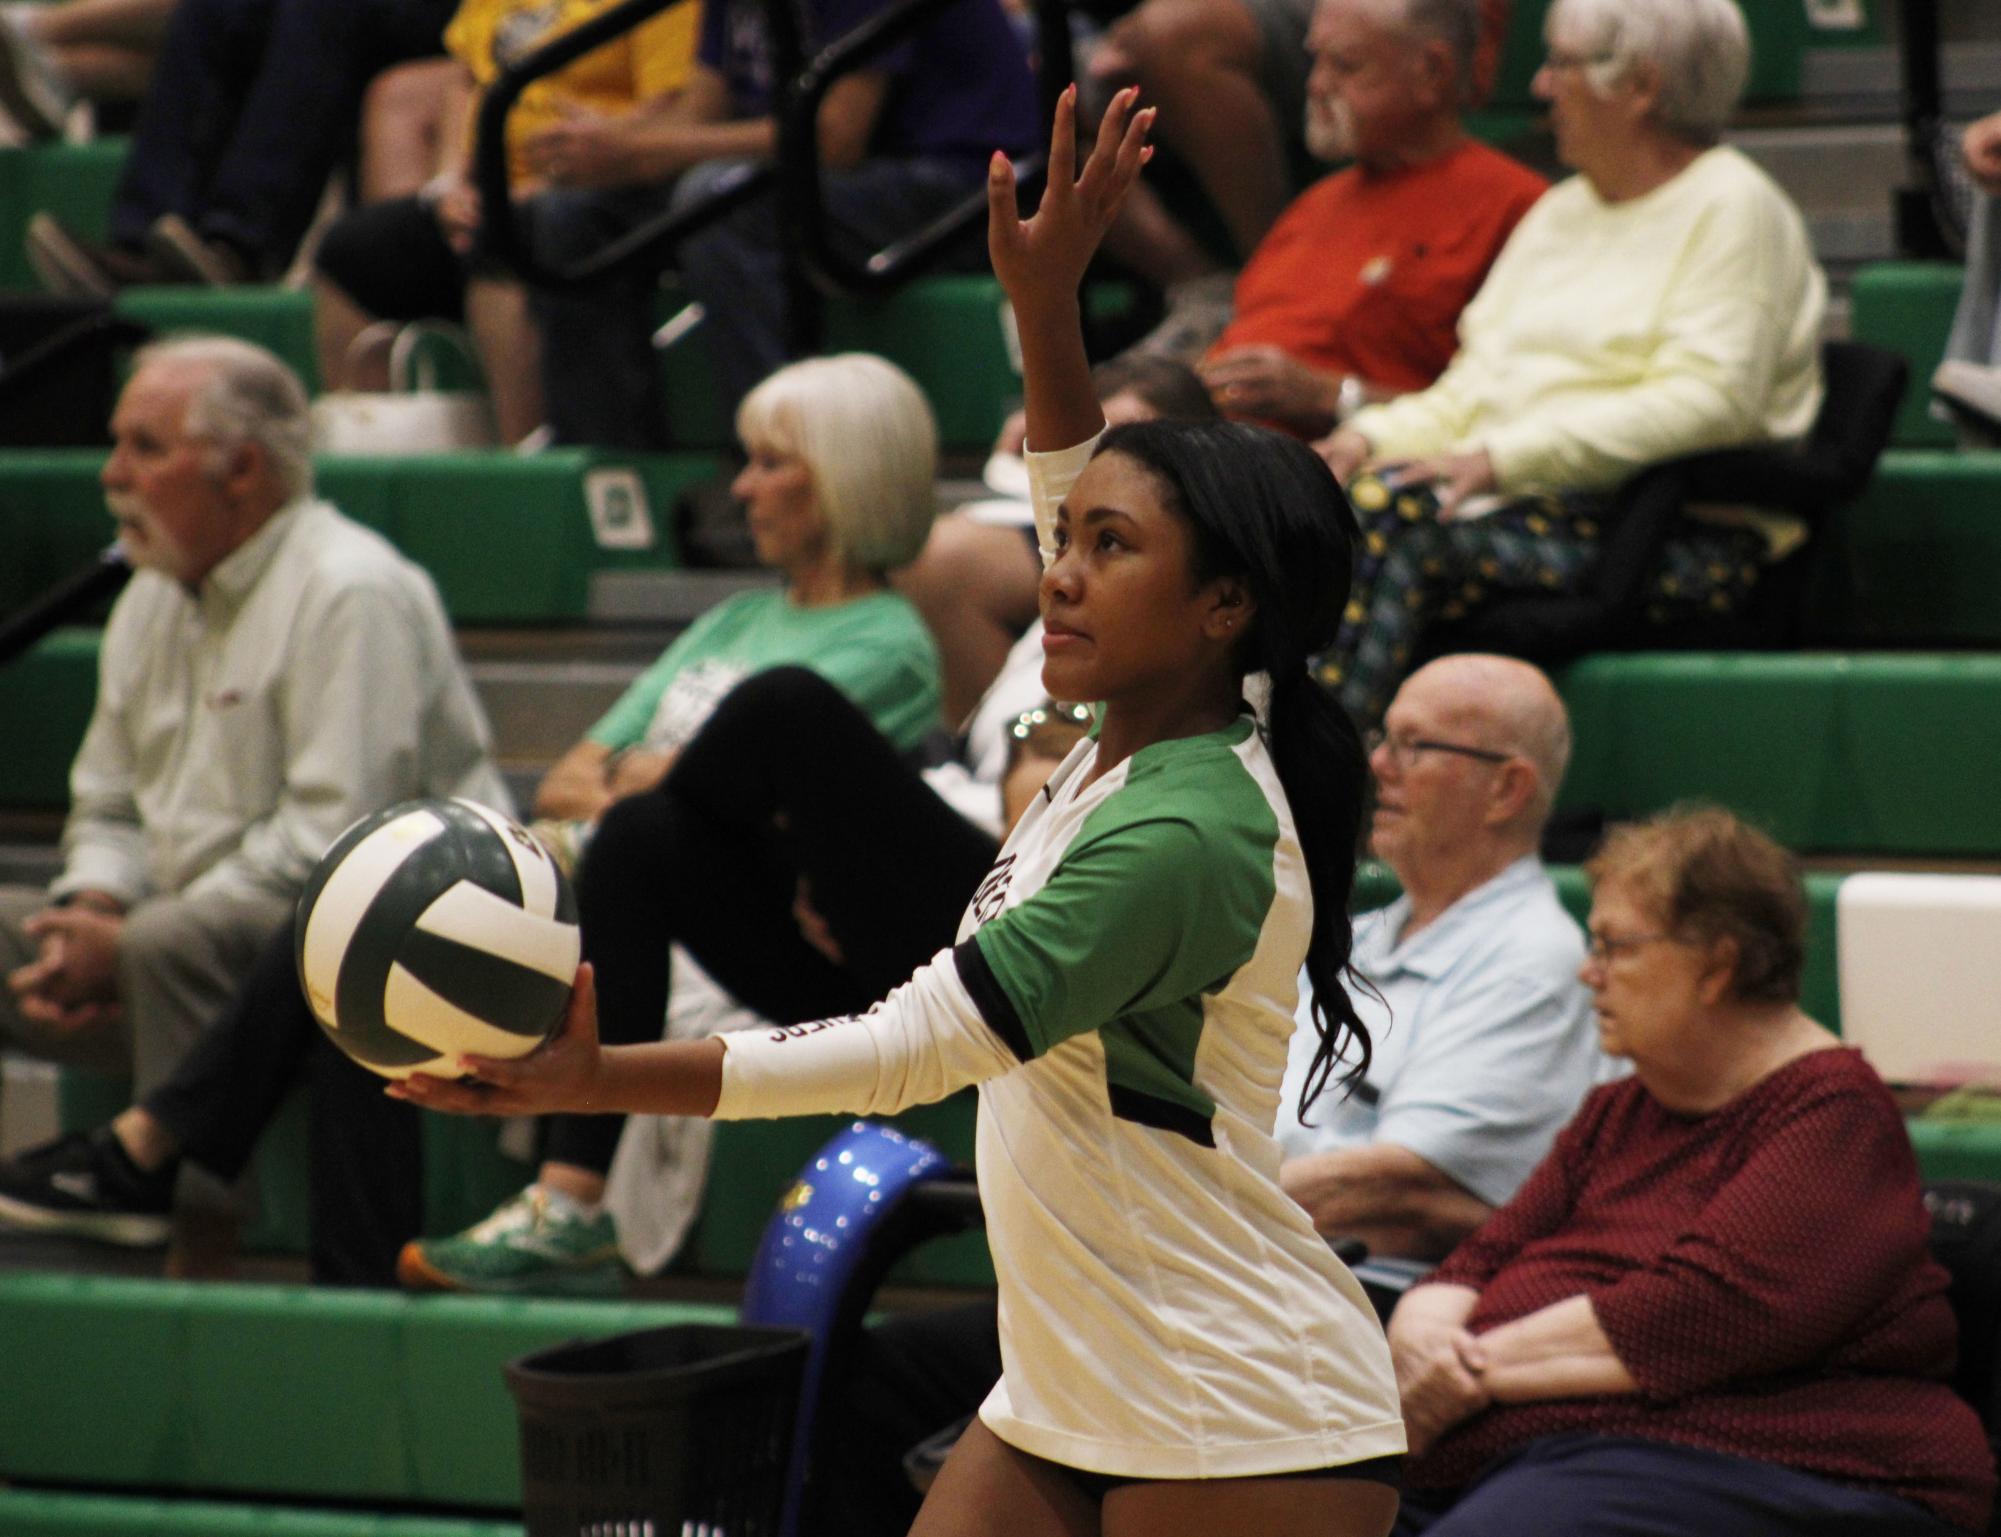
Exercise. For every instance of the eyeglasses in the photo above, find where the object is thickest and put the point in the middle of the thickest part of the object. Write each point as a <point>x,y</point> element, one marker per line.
<point>1557,58</point>
<point>1605,948</point>
<point>1403,749</point>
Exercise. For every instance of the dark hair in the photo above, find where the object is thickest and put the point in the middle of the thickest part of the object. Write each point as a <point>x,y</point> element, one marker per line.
<point>1174,390</point>
<point>1706,874</point>
<point>1264,509</point>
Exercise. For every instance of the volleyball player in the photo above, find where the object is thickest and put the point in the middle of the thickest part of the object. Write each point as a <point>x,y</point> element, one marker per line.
<point>1180,1350</point>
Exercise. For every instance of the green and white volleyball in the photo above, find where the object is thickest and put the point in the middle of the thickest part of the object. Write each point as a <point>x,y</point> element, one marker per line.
<point>433,930</point>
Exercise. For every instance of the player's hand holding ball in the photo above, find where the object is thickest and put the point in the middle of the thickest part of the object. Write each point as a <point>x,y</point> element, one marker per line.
<point>562,1075</point>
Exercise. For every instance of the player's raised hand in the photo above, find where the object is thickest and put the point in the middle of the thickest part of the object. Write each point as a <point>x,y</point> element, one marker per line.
<point>1040,262</point>
<point>1044,258</point>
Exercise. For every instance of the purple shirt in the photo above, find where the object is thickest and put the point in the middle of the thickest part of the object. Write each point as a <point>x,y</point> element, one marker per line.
<point>959,87</point>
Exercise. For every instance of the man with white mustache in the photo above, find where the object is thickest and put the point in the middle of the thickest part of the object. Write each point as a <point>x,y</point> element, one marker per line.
<point>272,672</point>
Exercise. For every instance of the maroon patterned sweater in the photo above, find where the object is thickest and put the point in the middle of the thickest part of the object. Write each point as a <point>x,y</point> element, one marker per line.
<point>1761,1272</point>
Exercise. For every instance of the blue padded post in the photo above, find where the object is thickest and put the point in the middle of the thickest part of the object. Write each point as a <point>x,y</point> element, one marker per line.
<point>836,1231</point>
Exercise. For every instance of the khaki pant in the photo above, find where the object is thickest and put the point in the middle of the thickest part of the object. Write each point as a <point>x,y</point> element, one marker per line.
<point>180,963</point>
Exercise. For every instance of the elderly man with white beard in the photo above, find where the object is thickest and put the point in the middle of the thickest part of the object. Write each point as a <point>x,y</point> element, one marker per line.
<point>272,672</point>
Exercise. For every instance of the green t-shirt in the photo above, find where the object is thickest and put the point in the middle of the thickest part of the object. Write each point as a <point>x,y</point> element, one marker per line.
<point>874,648</point>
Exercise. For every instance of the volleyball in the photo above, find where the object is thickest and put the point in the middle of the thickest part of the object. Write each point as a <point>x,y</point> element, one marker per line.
<point>436,929</point>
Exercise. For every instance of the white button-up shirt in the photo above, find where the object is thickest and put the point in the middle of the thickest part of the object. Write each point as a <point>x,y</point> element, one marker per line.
<point>239,729</point>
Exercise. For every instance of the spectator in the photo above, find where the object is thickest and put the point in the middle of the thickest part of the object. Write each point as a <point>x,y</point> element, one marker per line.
<point>1358,285</point>
<point>1355,293</point>
<point>271,673</point>
<point>839,485</point>
<point>900,142</point>
<point>1662,302</point>
<point>1968,383</point>
<point>1481,1035</point>
<point>1231,78</point>
<point>1714,1297</point>
<point>839,489</point>
<point>418,257</point>
<point>1484,1039</point>
<point>252,104</point>
<point>56,53</point>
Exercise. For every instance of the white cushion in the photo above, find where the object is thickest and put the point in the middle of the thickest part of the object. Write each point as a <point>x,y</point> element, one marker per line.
<point>1920,960</point>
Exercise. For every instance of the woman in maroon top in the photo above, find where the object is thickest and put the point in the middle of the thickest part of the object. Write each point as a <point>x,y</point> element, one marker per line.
<point>1711,1309</point>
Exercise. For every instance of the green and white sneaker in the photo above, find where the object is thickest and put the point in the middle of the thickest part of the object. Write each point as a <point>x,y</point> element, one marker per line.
<point>539,1242</point>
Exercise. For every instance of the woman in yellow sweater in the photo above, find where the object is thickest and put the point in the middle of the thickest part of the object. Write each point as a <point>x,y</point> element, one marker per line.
<point>1663,301</point>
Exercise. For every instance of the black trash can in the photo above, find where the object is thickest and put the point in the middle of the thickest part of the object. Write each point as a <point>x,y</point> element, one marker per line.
<point>684,1431</point>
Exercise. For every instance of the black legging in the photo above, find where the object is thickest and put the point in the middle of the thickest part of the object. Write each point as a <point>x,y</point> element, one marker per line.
<point>787,779</point>
<point>365,1187</point>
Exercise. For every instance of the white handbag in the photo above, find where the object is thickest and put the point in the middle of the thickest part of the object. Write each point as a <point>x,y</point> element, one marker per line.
<point>413,416</point>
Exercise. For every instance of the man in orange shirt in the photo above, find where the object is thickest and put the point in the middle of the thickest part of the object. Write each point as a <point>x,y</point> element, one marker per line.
<point>1355,293</point>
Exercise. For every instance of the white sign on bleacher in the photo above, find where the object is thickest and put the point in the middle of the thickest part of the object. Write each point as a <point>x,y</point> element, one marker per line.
<point>620,519</point>
<point>1920,962</point>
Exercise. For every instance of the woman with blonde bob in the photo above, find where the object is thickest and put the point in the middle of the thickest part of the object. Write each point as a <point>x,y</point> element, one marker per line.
<point>1712,1308</point>
<point>843,455</point>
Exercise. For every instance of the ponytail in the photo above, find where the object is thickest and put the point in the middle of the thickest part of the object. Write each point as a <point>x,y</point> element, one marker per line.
<point>1264,509</point>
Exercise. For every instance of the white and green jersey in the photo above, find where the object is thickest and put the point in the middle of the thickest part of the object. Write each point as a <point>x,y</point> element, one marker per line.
<point>1123,992</point>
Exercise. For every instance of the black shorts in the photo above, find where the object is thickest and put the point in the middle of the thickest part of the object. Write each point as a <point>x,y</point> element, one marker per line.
<point>392,260</point>
<point>1377,1470</point>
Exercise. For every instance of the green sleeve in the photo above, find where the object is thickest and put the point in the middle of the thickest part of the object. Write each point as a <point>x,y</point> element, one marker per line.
<point>889,668</point>
<point>1144,915</point>
<point>624,724</point>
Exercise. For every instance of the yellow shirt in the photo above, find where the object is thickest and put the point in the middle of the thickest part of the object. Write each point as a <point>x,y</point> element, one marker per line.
<point>654,58</point>
<point>1611,336</point>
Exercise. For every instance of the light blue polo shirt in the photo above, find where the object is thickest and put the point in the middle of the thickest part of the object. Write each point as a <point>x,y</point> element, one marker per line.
<point>1484,1038</point>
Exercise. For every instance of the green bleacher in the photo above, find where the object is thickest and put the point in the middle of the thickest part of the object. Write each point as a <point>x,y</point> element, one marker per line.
<point>300,1393</point>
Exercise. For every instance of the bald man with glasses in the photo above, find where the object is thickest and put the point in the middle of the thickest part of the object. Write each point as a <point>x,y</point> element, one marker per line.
<point>1484,1040</point>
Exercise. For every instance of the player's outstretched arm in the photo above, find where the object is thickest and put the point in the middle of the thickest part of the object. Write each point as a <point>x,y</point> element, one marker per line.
<point>571,1073</point>
<point>1041,261</point>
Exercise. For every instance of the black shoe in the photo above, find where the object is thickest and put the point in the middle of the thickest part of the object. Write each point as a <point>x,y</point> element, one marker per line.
<point>87,1186</point>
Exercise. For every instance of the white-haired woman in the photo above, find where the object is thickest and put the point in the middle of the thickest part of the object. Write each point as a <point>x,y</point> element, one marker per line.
<point>839,488</point>
<point>1664,301</point>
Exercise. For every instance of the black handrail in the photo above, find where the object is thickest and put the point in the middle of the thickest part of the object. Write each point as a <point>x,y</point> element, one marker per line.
<point>71,598</point>
<point>812,265</point>
<point>645,246</point>
<point>802,214</point>
<point>1920,231</point>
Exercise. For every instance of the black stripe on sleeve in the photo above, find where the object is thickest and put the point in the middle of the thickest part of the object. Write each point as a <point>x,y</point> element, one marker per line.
<point>1162,1114</point>
<point>995,1007</point>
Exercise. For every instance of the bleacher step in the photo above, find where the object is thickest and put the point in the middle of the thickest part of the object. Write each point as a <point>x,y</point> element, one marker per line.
<point>294,1394</point>
<point>69,1513</point>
